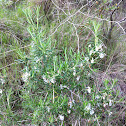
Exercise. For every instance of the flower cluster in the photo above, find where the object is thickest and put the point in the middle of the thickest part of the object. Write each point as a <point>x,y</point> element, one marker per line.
<point>25,76</point>
<point>88,108</point>
<point>48,80</point>
<point>96,53</point>
<point>1,91</point>
<point>2,80</point>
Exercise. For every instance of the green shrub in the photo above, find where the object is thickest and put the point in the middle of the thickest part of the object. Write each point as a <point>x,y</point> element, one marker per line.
<point>58,85</point>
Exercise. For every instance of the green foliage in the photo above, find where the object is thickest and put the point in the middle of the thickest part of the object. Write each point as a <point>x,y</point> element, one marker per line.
<point>57,84</point>
<point>45,78</point>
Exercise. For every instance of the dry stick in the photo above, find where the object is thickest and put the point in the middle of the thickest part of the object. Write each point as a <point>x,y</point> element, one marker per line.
<point>109,64</point>
<point>65,20</point>
<point>59,7</point>
<point>9,65</point>
<point>111,19</point>
<point>117,22</point>
<point>121,112</point>
<point>76,35</point>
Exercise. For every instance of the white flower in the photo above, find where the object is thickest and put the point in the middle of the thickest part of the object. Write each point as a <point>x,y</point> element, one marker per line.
<point>105,104</point>
<point>97,97</point>
<point>37,60</point>
<point>61,86</point>
<point>69,111</point>
<point>88,107</point>
<point>91,52</point>
<point>98,104</point>
<point>98,47</point>
<point>88,89</point>
<point>104,95</point>
<point>101,55</point>
<point>78,78</point>
<point>81,64</point>
<point>1,91</point>
<point>110,113</point>
<point>44,77</point>
<point>92,60</point>
<point>46,81</point>
<point>70,104</point>
<point>110,102</point>
<point>58,71</point>
<point>74,73</point>
<point>48,109</point>
<point>87,59</point>
<point>53,80</point>
<point>89,74</point>
<point>25,76</point>
<point>92,112</point>
<point>2,81</point>
<point>74,68</point>
<point>61,117</point>
<point>32,44</point>
<point>89,46</point>
<point>73,101</point>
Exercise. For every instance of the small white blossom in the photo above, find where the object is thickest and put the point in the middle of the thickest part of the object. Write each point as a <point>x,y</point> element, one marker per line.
<point>73,101</point>
<point>58,71</point>
<point>78,78</point>
<point>89,46</point>
<point>61,117</point>
<point>81,64</point>
<point>92,60</point>
<point>98,104</point>
<point>1,91</point>
<point>32,44</point>
<point>74,73</point>
<point>97,97</point>
<point>74,68</point>
<point>110,113</point>
<point>2,81</point>
<point>53,80</point>
<point>69,111</point>
<point>105,104</point>
<point>48,109</point>
<point>89,74</point>
<point>104,95</point>
<point>98,47</point>
<point>92,112</point>
<point>88,89</point>
<point>101,55</point>
<point>37,60</point>
<point>44,77</point>
<point>46,81</point>
<point>70,104</point>
<point>110,102</point>
<point>88,107</point>
<point>61,86</point>
<point>91,52</point>
<point>87,59</point>
<point>25,76</point>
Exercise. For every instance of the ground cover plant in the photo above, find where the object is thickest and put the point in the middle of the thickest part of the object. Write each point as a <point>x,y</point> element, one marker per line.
<point>61,63</point>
